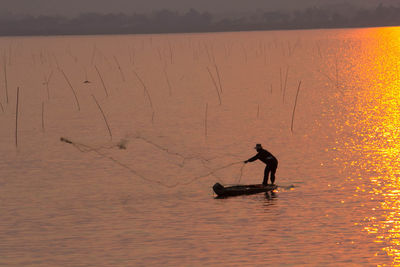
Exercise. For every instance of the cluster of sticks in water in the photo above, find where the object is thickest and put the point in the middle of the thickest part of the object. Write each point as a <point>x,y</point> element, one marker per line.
<point>122,144</point>
<point>215,79</point>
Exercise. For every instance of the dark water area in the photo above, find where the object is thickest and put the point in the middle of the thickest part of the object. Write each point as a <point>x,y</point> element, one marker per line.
<point>153,121</point>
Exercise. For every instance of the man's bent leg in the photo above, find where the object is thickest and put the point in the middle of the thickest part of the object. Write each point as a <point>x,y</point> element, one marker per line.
<point>273,166</point>
<point>273,171</point>
<point>266,172</point>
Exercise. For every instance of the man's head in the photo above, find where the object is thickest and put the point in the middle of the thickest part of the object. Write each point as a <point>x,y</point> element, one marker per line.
<point>258,147</point>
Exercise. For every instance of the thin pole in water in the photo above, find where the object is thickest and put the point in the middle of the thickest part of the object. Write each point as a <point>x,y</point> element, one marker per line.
<point>5,79</point>
<point>219,77</point>
<point>16,119</point>
<point>284,87</point>
<point>215,85</point>
<point>73,91</point>
<point>119,68</point>
<point>170,51</point>
<point>104,116</point>
<point>102,82</point>
<point>294,108</point>
<point>47,84</point>
<point>168,82</point>
<point>146,91</point>
<point>205,121</point>
<point>43,116</point>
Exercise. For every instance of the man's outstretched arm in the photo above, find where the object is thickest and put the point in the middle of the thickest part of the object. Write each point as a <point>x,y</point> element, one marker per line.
<point>252,159</point>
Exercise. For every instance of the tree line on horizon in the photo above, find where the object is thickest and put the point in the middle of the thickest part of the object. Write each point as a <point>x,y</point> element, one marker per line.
<point>166,21</point>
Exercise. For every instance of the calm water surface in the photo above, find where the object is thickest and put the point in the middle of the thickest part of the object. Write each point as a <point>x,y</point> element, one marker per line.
<point>182,112</point>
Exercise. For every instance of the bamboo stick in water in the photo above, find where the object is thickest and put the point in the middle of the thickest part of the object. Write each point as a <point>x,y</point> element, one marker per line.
<point>294,108</point>
<point>219,78</point>
<point>42,116</point>
<point>205,121</point>
<point>104,116</point>
<point>72,89</point>
<point>215,85</point>
<point>168,82</point>
<point>5,80</point>
<point>145,89</point>
<point>119,68</point>
<point>16,119</point>
<point>102,81</point>
<point>284,87</point>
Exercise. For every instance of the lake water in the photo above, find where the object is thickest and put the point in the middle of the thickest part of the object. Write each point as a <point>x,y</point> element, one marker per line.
<point>153,121</point>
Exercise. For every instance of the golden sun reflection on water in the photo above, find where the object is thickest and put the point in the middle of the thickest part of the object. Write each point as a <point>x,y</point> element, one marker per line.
<point>371,132</point>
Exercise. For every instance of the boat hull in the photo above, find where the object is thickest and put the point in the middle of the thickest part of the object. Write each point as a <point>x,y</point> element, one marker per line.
<point>238,190</point>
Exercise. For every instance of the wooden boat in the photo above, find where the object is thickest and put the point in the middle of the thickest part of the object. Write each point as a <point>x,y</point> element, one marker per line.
<point>236,190</point>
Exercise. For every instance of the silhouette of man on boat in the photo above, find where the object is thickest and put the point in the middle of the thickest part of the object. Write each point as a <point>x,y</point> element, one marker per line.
<point>270,161</point>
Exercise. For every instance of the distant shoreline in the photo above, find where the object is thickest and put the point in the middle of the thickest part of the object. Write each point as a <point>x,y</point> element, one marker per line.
<point>169,22</point>
<point>193,32</point>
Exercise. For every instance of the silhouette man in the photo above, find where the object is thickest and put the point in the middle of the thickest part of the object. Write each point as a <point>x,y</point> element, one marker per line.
<point>270,161</point>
